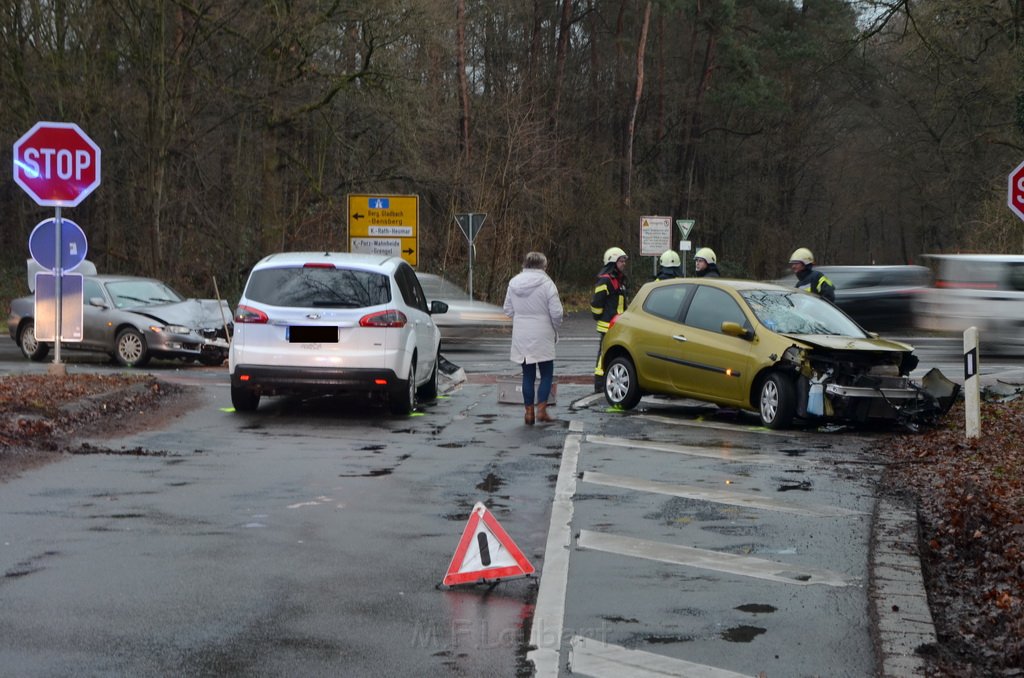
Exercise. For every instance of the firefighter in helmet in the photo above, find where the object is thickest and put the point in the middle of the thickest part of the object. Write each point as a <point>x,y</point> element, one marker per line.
<point>802,264</point>
<point>669,266</point>
<point>706,263</point>
<point>609,300</point>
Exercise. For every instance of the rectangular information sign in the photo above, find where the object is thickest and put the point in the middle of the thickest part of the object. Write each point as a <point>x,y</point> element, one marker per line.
<point>72,308</point>
<point>384,224</point>
<point>655,235</point>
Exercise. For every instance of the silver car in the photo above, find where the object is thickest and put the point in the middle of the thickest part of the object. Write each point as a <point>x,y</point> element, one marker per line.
<point>133,320</point>
<point>334,322</point>
<point>466,318</point>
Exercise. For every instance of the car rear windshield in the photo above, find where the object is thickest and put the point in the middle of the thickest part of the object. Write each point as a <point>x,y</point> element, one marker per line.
<point>318,287</point>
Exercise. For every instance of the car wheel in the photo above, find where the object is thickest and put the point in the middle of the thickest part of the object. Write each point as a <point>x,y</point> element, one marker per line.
<point>130,349</point>
<point>244,399</point>
<point>32,348</point>
<point>429,390</point>
<point>621,388</point>
<point>777,403</point>
<point>403,401</point>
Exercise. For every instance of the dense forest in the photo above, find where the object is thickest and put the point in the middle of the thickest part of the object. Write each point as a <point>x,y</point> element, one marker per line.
<point>870,131</point>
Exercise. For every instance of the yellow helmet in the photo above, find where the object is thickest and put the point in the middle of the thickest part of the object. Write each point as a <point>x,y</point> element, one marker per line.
<point>613,254</point>
<point>707,254</point>
<point>670,259</point>
<point>803,255</point>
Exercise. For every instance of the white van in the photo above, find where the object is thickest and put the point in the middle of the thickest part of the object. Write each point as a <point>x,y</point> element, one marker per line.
<point>980,290</point>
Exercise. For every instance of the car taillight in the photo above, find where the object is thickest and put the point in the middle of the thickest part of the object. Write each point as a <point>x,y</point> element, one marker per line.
<point>615,319</point>
<point>250,316</point>
<point>384,319</point>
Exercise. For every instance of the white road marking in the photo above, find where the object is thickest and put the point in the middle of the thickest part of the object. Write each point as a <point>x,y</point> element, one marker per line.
<point>745,566</point>
<point>732,498</point>
<point>549,613</point>
<point>589,657</point>
<point>718,452</point>
<point>661,419</point>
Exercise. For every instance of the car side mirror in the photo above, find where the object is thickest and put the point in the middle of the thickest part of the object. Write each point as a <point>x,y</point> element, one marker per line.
<point>438,307</point>
<point>98,302</point>
<point>736,330</point>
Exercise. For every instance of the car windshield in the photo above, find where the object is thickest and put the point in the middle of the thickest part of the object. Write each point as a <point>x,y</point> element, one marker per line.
<point>128,293</point>
<point>799,313</point>
<point>319,287</point>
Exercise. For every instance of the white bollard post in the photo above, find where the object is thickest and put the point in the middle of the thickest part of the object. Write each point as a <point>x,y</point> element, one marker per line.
<point>972,395</point>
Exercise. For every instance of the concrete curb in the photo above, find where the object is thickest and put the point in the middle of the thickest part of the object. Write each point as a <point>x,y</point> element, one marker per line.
<point>899,603</point>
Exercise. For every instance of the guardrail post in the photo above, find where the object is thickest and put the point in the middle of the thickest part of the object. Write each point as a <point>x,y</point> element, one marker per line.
<point>972,395</point>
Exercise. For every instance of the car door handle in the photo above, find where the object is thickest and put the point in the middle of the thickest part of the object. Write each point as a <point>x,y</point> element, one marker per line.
<point>678,337</point>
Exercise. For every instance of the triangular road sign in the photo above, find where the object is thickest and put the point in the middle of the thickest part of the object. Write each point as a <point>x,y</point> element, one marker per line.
<point>486,553</point>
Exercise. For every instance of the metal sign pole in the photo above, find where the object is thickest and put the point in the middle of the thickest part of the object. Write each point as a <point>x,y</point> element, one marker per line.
<point>469,237</point>
<point>58,275</point>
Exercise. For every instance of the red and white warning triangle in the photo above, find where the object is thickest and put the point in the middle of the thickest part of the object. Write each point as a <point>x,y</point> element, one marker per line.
<point>486,553</point>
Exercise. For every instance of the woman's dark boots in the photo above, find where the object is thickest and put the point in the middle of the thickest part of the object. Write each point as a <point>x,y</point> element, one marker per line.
<point>529,416</point>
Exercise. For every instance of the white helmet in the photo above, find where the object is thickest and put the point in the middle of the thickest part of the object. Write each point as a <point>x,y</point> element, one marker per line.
<point>613,254</point>
<point>803,255</point>
<point>669,259</point>
<point>707,254</point>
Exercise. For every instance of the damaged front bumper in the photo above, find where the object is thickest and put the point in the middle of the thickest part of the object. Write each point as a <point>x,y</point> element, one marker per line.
<point>886,398</point>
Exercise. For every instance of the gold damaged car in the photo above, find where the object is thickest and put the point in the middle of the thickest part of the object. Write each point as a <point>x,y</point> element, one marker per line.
<point>777,351</point>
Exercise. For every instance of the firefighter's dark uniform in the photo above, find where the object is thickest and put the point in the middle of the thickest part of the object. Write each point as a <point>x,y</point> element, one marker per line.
<point>609,300</point>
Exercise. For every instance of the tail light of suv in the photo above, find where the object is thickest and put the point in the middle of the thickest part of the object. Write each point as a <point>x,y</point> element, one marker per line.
<point>391,318</point>
<point>248,315</point>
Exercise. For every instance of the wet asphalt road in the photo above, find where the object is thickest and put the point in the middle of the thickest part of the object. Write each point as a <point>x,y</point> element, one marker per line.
<point>309,539</point>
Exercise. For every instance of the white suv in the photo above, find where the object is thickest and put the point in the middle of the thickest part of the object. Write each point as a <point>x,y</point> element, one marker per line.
<point>330,322</point>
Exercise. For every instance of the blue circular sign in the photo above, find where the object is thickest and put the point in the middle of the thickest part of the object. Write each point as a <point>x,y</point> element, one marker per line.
<point>42,244</point>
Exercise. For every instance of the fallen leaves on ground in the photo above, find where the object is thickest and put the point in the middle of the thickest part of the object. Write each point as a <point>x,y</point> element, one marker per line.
<point>38,411</point>
<point>970,499</point>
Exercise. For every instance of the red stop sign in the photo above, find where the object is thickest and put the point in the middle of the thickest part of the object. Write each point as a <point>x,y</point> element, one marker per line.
<point>1015,194</point>
<point>57,164</point>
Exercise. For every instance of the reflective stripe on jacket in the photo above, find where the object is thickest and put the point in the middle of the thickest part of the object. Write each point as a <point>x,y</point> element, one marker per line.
<point>609,298</point>
<point>817,282</point>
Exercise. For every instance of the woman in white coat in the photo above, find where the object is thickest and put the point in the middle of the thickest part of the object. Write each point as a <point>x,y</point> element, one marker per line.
<point>532,303</point>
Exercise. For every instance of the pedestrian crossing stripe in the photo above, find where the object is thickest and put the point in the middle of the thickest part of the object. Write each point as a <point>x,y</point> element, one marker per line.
<point>486,553</point>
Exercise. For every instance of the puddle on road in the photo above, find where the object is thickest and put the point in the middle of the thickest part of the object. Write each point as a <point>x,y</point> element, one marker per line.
<point>372,448</point>
<point>86,448</point>
<point>664,640</point>
<point>803,486</point>
<point>742,634</point>
<point>490,484</point>
<point>621,620</point>
<point>757,608</point>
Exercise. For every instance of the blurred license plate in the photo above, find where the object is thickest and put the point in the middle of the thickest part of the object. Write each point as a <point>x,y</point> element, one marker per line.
<point>320,334</point>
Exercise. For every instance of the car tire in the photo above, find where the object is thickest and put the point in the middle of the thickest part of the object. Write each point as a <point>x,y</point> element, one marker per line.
<point>244,399</point>
<point>31,348</point>
<point>429,390</point>
<point>211,360</point>
<point>403,400</point>
<point>621,388</point>
<point>130,348</point>
<point>777,401</point>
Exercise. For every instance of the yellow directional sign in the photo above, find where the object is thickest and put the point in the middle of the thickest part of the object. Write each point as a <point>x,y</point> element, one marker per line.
<point>384,224</point>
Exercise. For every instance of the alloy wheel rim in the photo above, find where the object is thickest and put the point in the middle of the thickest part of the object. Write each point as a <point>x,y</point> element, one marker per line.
<point>131,348</point>
<point>769,401</point>
<point>28,339</point>
<point>617,383</point>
